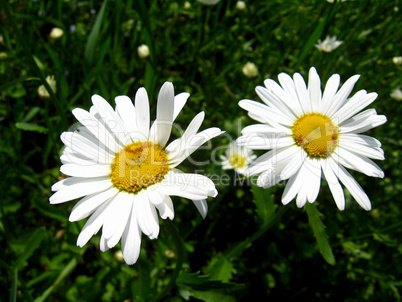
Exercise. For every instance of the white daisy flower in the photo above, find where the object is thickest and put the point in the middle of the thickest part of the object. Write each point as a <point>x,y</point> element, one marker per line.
<point>313,135</point>
<point>237,158</point>
<point>124,172</point>
<point>329,44</point>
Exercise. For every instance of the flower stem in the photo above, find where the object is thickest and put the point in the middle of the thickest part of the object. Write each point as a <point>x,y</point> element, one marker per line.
<point>180,257</point>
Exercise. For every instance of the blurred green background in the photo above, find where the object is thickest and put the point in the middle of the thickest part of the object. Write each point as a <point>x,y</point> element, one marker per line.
<point>202,50</point>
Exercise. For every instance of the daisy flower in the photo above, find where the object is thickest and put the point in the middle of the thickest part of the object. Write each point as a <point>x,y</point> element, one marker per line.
<point>313,135</point>
<point>329,44</point>
<point>123,172</point>
<point>237,158</point>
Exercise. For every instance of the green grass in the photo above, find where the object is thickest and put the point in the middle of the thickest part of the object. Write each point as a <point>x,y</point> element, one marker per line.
<point>241,249</point>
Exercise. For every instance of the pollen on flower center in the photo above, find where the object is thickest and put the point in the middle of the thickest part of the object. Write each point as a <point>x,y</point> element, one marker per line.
<point>316,134</point>
<point>237,161</point>
<point>138,165</point>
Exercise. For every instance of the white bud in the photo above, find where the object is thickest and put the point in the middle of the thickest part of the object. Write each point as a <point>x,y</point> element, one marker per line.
<point>250,70</point>
<point>241,5</point>
<point>56,33</point>
<point>143,51</point>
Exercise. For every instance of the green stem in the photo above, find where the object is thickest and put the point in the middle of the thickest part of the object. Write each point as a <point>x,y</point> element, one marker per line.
<point>180,257</point>
<point>32,62</point>
<point>239,248</point>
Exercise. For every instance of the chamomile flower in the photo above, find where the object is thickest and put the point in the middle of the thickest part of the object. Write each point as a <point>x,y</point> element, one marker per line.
<point>237,157</point>
<point>312,136</point>
<point>329,44</point>
<point>125,173</point>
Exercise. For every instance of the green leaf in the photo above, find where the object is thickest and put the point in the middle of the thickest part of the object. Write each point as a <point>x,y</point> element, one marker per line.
<point>219,268</point>
<point>31,245</point>
<point>204,289</point>
<point>319,233</point>
<point>64,273</point>
<point>49,210</point>
<point>264,201</point>
<point>93,36</point>
<point>31,127</point>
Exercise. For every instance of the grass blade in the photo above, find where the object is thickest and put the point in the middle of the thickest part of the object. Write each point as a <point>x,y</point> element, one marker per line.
<point>93,36</point>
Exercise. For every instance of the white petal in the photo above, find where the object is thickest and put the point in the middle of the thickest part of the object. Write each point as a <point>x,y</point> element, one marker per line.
<point>126,111</point>
<point>155,196</point>
<point>314,180</point>
<point>261,128</point>
<point>351,184</point>
<point>363,125</point>
<point>103,244</point>
<point>333,183</point>
<point>360,163</point>
<point>362,149</point>
<point>86,147</point>
<point>263,113</point>
<point>292,187</point>
<point>97,128</point>
<point>187,185</point>
<point>76,187</point>
<point>110,119</point>
<point>275,103</point>
<point>164,113</point>
<point>302,93</point>
<point>359,101</point>
<point>120,220</point>
<point>165,208</point>
<point>342,95</point>
<point>360,139</point>
<point>87,205</point>
<point>131,239</point>
<point>94,223</point>
<point>289,87</point>
<point>314,90</point>
<point>95,170</point>
<point>142,113</point>
<point>260,141</point>
<point>146,215</point>
<point>202,207</point>
<point>331,88</point>
<point>179,102</point>
<point>191,145</point>
<point>116,214</point>
<point>293,165</point>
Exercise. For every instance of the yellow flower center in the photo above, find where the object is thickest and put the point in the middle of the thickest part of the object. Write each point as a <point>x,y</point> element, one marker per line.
<point>316,134</point>
<point>237,161</point>
<point>137,166</point>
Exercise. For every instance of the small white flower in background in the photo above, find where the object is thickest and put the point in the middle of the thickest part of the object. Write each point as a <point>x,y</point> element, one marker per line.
<point>396,94</point>
<point>209,2</point>
<point>42,92</point>
<point>241,5</point>
<point>143,51</point>
<point>313,135</point>
<point>333,1</point>
<point>329,44</point>
<point>56,33</point>
<point>187,5</point>
<point>397,60</point>
<point>123,171</point>
<point>250,70</point>
<point>237,158</point>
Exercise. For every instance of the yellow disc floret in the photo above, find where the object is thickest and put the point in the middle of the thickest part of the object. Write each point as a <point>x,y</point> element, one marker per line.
<point>237,161</point>
<point>138,165</point>
<point>316,134</point>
